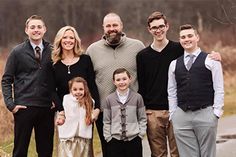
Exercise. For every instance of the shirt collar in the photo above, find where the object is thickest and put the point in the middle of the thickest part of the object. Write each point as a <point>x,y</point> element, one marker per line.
<point>154,48</point>
<point>122,95</point>
<point>195,53</point>
<point>40,45</point>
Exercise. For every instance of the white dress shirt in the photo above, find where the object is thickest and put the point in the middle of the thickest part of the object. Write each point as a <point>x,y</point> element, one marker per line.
<point>123,97</point>
<point>217,78</point>
<point>40,46</point>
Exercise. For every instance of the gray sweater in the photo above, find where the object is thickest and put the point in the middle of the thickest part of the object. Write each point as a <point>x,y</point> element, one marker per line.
<point>106,60</point>
<point>132,124</point>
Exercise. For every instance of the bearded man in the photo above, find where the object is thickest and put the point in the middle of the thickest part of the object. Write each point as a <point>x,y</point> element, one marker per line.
<point>113,51</point>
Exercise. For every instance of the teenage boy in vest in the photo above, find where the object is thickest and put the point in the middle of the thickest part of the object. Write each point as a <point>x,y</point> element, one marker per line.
<point>196,97</point>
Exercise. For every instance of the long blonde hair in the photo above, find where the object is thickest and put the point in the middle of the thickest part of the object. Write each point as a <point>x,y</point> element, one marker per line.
<point>57,49</point>
<point>88,102</point>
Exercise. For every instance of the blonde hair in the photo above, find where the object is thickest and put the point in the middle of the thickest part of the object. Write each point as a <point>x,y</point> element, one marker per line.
<point>57,49</point>
<point>88,102</point>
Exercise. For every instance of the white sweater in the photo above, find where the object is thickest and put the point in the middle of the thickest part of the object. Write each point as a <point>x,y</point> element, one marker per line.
<point>74,125</point>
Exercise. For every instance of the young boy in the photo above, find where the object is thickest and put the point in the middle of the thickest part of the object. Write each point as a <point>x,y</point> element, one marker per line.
<point>124,118</point>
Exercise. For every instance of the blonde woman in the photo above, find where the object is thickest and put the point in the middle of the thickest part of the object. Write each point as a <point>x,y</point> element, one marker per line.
<point>70,62</point>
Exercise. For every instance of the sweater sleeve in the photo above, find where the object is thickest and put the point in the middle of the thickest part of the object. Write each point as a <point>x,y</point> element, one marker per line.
<point>92,84</point>
<point>142,118</point>
<point>107,121</point>
<point>172,89</point>
<point>140,74</point>
<point>55,97</point>
<point>8,80</point>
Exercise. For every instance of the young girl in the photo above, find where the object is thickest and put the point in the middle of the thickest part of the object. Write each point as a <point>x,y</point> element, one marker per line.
<point>75,134</point>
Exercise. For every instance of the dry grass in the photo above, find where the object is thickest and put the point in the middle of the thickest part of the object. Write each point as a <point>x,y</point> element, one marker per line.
<point>6,119</point>
<point>230,102</point>
<point>229,66</point>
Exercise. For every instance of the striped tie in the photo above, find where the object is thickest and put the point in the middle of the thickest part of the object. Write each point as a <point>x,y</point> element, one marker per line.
<point>37,53</point>
<point>190,61</point>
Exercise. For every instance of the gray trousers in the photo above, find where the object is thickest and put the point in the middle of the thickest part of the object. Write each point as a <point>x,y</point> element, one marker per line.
<point>195,132</point>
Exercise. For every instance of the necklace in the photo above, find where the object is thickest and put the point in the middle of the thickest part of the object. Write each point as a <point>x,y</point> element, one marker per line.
<point>68,69</point>
<point>68,64</point>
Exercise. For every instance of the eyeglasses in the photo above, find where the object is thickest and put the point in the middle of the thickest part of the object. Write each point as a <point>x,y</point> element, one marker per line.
<point>160,28</point>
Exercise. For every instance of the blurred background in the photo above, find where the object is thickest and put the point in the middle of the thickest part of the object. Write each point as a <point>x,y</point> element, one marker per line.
<point>215,20</point>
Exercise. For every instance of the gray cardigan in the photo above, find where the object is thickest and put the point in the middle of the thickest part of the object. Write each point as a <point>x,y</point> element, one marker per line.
<point>135,120</point>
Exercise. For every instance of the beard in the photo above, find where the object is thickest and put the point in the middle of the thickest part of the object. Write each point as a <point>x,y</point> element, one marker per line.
<point>113,39</point>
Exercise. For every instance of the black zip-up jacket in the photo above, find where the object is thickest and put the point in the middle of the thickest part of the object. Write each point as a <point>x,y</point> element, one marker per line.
<point>32,82</point>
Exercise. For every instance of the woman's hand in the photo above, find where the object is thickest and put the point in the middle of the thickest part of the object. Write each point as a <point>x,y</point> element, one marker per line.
<point>60,120</point>
<point>95,114</point>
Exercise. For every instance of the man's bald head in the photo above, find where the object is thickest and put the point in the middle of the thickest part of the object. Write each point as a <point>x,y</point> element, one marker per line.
<point>112,16</point>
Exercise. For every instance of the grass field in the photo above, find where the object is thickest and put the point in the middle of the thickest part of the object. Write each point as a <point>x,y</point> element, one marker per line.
<point>230,102</point>
<point>7,146</point>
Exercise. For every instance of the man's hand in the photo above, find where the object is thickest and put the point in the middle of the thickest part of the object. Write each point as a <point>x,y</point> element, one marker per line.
<point>215,56</point>
<point>18,107</point>
<point>148,112</point>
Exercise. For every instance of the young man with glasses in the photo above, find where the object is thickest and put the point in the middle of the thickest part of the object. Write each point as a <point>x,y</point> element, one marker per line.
<point>152,71</point>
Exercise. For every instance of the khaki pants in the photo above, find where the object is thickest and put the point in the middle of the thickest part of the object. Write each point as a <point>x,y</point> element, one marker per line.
<point>76,147</point>
<point>159,130</point>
